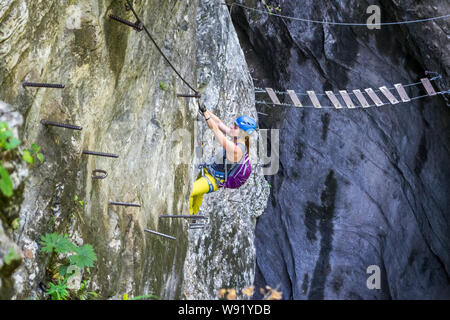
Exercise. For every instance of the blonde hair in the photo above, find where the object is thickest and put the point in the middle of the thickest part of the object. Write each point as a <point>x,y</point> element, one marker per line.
<point>247,143</point>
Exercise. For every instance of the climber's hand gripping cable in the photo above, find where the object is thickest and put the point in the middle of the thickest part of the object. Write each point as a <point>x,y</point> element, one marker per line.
<point>207,115</point>
<point>212,120</point>
<point>220,131</point>
<point>202,108</point>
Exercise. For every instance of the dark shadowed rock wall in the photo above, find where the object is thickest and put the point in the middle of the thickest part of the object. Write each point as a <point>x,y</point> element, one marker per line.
<point>355,187</point>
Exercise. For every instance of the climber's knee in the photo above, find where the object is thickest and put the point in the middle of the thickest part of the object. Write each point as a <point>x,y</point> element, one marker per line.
<point>203,185</point>
<point>195,203</point>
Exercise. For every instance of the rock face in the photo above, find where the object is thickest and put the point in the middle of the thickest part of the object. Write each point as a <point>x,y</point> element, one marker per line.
<point>356,187</point>
<point>112,77</point>
<point>124,95</point>
<point>222,255</point>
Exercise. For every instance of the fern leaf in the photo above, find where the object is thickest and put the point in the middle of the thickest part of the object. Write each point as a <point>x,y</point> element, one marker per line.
<point>84,257</point>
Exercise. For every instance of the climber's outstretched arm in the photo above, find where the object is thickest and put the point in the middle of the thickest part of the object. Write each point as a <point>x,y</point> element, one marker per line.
<point>234,153</point>
<point>223,127</point>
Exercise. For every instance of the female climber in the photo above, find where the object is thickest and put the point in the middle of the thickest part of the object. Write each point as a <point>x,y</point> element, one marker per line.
<point>231,167</point>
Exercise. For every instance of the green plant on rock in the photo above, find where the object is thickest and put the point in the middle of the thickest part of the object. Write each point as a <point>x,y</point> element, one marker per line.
<point>79,204</point>
<point>5,182</point>
<point>15,224</point>
<point>58,291</point>
<point>30,154</point>
<point>84,294</point>
<point>56,242</point>
<point>81,257</point>
<point>7,141</point>
<point>7,144</point>
<point>84,257</point>
<point>271,9</point>
<point>77,201</point>
<point>11,256</point>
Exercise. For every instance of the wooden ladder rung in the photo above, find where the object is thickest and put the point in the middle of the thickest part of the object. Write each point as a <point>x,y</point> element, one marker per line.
<point>314,99</point>
<point>348,101</point>
<point>374,97</point>
<point>333,99</point>
<point>362,100</point>
<point>272,96</point>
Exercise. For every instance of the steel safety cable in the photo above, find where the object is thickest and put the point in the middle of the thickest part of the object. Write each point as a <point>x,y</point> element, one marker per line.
<point>337,23</point>
<point>159,49</point>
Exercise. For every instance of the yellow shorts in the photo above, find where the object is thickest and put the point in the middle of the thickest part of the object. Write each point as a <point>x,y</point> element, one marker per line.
<point>201,187</point>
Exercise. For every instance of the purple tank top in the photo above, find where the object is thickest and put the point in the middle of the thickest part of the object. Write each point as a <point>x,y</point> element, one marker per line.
<point>239,175</point>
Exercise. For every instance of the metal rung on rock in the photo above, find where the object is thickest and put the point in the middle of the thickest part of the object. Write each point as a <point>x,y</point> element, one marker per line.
<point>183,216</point>
<point>61,125</point>
<point>197,226</point>
<point>138,26</point>
<point>113,203</point>
<point>101,154</point>
<point>95,176</point>
<point>160,234</point>
<point>43,85</point>
<point>182,95</point>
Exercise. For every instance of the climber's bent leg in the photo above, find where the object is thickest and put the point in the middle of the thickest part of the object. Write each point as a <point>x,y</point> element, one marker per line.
<point>202,185</point>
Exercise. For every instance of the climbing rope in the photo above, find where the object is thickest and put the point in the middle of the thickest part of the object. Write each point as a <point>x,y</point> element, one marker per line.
<point>336,23</point>
<point>159,49</point>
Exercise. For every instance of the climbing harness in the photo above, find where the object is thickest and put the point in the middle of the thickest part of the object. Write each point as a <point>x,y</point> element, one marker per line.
<point>202,168</point>
<point>231,179</point>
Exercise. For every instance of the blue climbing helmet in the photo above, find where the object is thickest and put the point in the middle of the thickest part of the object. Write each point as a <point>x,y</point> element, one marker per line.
<point>247,124</point>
